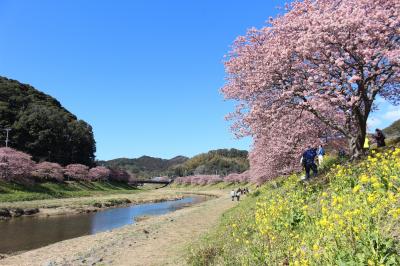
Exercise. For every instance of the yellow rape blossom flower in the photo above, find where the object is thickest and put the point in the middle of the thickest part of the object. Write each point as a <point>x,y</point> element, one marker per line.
<point>356,188</point>
<point>364,179</point>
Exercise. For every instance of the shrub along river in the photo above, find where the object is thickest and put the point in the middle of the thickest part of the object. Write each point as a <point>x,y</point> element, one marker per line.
<point>26,233</point>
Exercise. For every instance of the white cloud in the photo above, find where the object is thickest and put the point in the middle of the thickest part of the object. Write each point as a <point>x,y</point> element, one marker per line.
<point>393,113</point>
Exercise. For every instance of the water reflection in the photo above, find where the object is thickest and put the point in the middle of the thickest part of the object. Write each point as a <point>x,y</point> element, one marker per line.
<point>114,218</point>
<point>27,233</point>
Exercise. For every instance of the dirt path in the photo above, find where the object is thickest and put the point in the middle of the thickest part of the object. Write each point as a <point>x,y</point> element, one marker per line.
<point>158,240</point>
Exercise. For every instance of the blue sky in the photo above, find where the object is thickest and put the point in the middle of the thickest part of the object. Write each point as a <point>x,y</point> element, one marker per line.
<point>145,74</point>
<point>385,115</point>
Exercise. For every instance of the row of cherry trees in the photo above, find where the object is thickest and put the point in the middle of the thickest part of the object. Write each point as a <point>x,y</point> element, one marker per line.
<point>213,179</point>
<point>16,165</point>
<point>313,73</point>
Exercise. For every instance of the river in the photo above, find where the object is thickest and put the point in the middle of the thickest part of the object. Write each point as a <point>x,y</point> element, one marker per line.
<point>27,233</point>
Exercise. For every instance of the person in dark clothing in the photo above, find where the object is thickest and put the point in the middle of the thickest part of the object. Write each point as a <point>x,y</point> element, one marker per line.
<point>380,138</point>
<point>342,153</point>
<point>308,160</point>
<point>238,193</point>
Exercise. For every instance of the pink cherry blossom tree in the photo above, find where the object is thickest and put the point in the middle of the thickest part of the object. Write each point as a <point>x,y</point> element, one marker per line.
<point>197,180</point>
<point>200,180</point>
<point>238,177</point>
<point>328,58</point>
<point>279,144</point>
<point>179,180</point>
<point>99,173</point>
<point>120,176</point>
<point>48,171</point>
<point>245,177</point>
<point>77,172</point>
<point>232,178</point>
<point>15,165</point>
<point>215,179</point>
<point>183,180</point>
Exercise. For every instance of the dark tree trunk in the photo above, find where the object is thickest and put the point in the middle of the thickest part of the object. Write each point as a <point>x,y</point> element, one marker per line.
<point>356,147</point>
<point>356,143</point>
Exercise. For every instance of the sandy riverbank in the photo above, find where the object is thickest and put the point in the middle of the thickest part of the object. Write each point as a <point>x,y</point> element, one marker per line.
<point>157,240</point>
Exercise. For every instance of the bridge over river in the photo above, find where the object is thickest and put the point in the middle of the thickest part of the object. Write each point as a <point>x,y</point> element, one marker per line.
<point>151,181</point>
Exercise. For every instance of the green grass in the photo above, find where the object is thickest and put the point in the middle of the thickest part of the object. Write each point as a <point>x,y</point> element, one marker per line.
<point>218,246</point>
<point>11,192</point>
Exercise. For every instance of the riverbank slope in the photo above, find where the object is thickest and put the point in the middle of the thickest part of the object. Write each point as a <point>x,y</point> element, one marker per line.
<point>13,192</point>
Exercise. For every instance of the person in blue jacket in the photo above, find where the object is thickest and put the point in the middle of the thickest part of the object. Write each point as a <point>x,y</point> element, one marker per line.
<point>308,161</point>
<point>321,154</point>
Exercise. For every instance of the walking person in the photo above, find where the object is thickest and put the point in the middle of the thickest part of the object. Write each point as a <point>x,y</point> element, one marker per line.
<point>308,161</point>
<point>380,138</point>
<point>321,154</point>
<point>233,194</point>
<point>238,193</point>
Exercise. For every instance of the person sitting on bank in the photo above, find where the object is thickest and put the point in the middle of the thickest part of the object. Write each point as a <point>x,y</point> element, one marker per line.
<point>308,161</point>
<point>379,138</point>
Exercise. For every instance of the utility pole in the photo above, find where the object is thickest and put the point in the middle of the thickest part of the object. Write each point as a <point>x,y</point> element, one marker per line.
<point>7,133</point>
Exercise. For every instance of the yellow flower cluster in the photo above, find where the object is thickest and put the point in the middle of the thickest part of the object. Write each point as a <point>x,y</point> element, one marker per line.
<point>352,220</point>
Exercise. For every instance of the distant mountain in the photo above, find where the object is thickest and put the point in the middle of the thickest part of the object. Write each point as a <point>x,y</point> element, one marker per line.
<point>222,161</point>
<point>145,166</point>
<point>42,127</point>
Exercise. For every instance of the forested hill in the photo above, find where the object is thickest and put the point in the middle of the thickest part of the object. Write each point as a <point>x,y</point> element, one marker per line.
<point>42,127</point>
<point>393,130</point>
<point>222,161</point>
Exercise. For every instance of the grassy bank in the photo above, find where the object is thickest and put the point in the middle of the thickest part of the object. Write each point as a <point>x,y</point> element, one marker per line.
<point>349,216</point>
<point>11,192</point>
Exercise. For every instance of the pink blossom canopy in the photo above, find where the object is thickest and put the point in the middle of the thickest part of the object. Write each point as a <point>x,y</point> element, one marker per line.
<point>315,70</point>
<point>14,164</point>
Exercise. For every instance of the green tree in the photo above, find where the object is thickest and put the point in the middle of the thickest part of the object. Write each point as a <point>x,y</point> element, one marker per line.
<point>42,127</point>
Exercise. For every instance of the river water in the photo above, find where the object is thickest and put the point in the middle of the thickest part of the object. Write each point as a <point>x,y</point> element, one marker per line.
<point>26,233</point>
